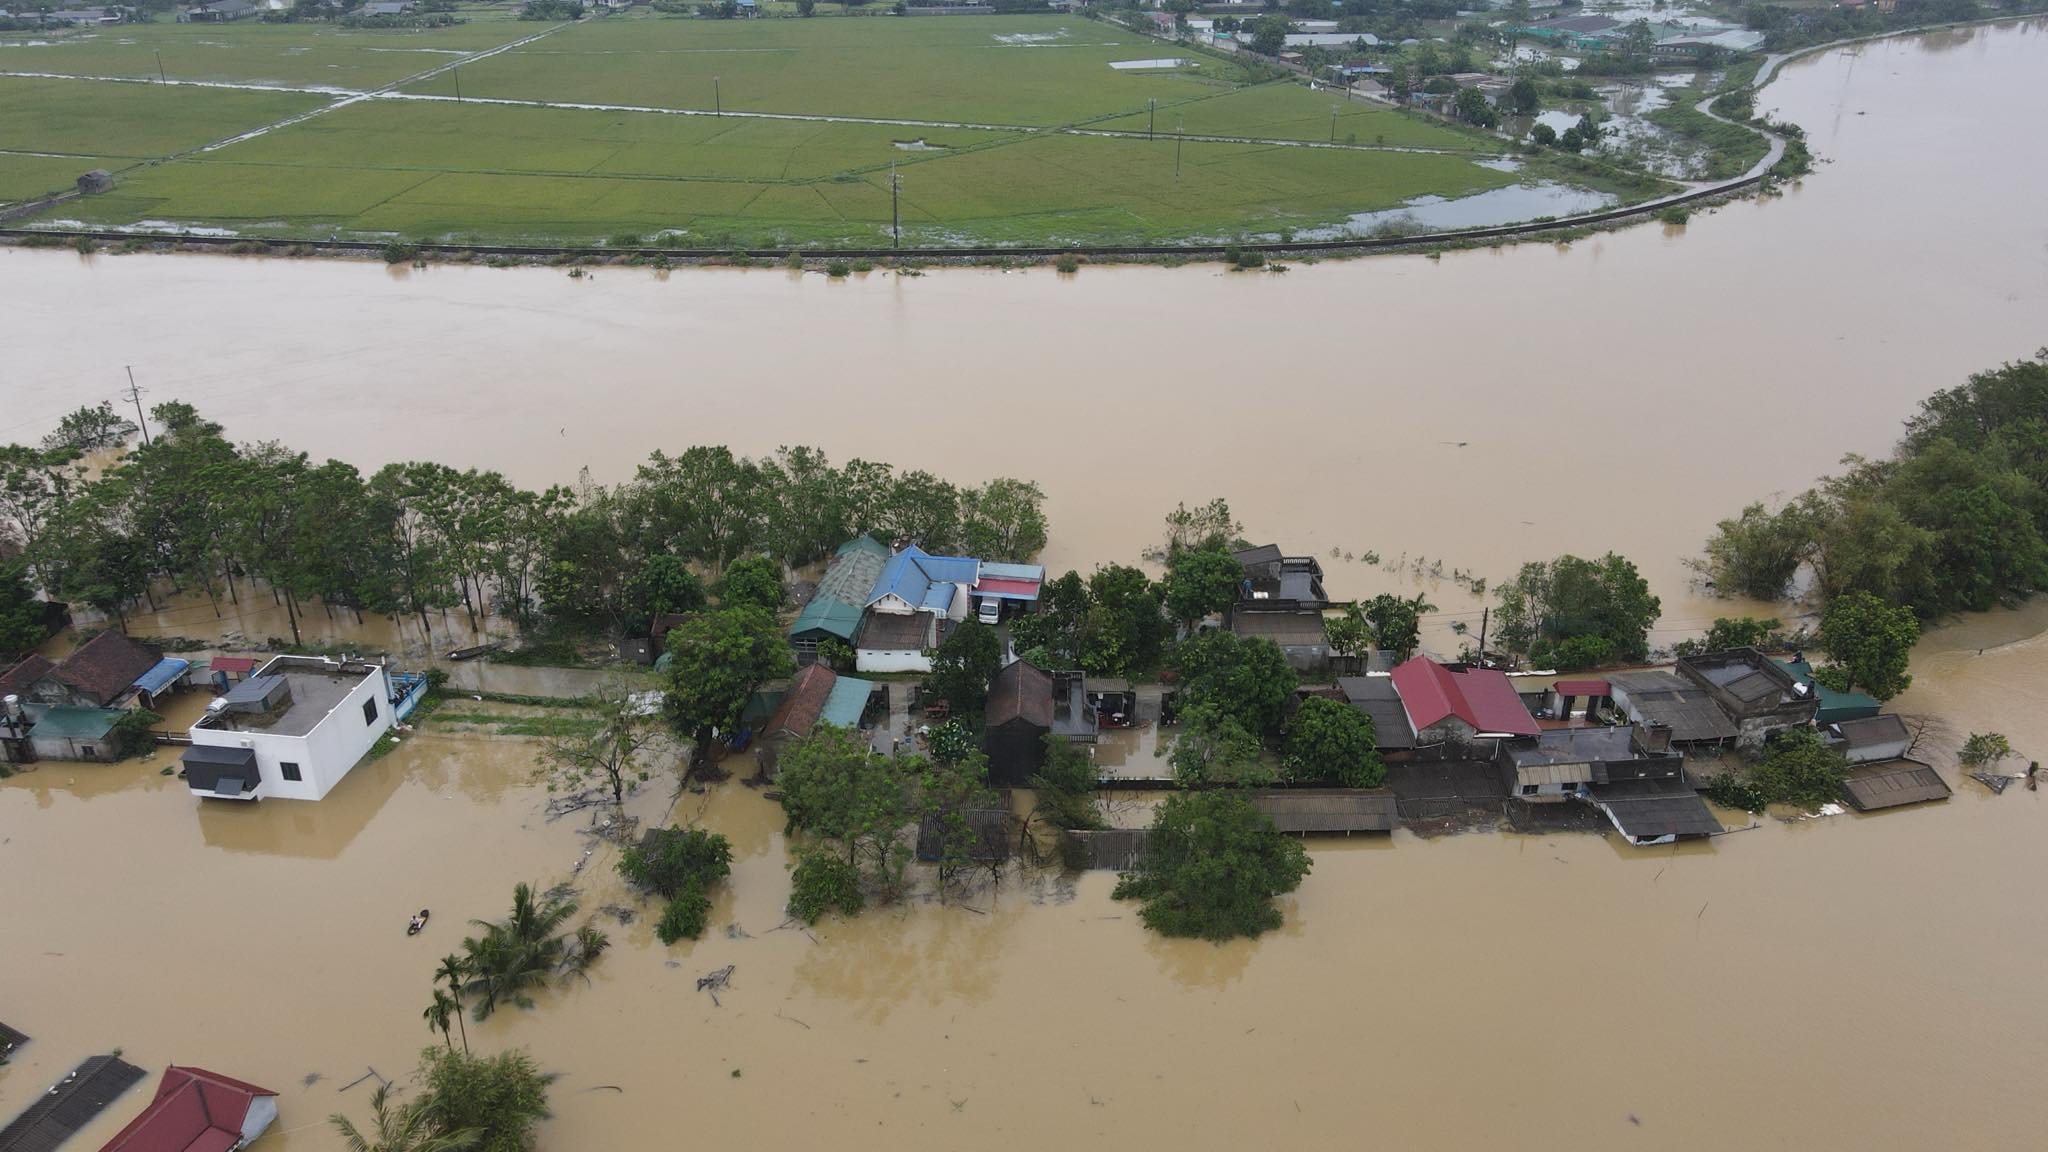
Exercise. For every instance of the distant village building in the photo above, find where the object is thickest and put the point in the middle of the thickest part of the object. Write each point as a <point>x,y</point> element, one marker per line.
<point>198,1111</point>
<point>219,12</point>
<point>295,728</point>
<point>1281,599</point>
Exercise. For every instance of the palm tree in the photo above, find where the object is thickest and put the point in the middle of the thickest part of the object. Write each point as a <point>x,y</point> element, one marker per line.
<point>437,1015</point>
<point>518,953</point>
<point>406,1128</point>
<point>452,971</point>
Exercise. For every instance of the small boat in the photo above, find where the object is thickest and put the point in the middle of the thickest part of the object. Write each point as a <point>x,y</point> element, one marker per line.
<point>412,927</point>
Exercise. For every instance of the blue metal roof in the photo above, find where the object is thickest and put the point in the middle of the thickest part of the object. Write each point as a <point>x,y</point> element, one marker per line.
<point>159,678</point>
<point>848,699</point>
<point>910,575</point>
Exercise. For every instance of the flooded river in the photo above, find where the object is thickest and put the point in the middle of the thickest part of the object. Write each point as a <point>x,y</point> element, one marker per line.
<point>1854,982</point>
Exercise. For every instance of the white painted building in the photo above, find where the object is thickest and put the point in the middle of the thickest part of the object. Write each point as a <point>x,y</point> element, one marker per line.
<point>293,729</point>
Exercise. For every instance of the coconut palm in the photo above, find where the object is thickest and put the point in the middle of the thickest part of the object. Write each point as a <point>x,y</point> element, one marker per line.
<point>437,1016</point>
<point>403,1128</point>
<point>517,954</point>
<point>452,971</point>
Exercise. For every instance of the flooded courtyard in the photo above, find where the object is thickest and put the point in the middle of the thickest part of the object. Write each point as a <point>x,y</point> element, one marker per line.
<point>1851,982</point>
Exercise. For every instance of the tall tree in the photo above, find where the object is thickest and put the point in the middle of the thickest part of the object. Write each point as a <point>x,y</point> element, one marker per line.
<point>1330,742</point>
<point>963,665</point>
<point>1869,644</point>
<point>1548,603</point>
<point>614,755</point>
<point>1200,581</point>
<point>719,659</point>
<point>1247,680</point>
<point>1211,867</point>
<point>1003,520</point>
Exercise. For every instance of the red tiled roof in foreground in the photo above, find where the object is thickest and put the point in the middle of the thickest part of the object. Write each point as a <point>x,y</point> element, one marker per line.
<point>1481,697</point>
<point>106,666</point>
<point>194,1111</point>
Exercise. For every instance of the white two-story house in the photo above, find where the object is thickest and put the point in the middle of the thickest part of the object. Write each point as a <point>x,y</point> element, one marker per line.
<point>294,728</point>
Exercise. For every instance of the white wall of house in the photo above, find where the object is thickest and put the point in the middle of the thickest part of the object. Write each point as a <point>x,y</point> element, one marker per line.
<point>894,605</point>
<point>323,755</point>
<point>262,1113</point>
<point>892,660</point>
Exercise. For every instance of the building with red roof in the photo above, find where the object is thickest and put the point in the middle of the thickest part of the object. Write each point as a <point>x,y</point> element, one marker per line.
<point>198,1111</point>
<point>1459,706</point>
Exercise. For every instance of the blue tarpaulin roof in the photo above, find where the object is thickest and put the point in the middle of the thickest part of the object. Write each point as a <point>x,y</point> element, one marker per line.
<point>159,678</point>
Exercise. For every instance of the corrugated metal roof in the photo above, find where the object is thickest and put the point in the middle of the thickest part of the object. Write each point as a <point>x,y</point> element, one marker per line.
<point>75,723</point>
<point>158,678</point>
<point>238,665</point>
<point>828,615</point>
<point>1020,692</point>
<point>1677,703</point>
<point>1032,572</point>
<point>1891,783</point>
<point>1287,629</point>
<point>1006,588</point>
<point>1580,687</point>
<point>1308,810</point>
<point>804,704</point>
<point>1481,697</point>
<point>1871,731</point>
<point>910,574</point>
<point>1653,809</point>
<point>1835,707</point>
<point>193,1109</point>
<point>848,699</point>
<point>70,1104</point>
<point>892,632</point>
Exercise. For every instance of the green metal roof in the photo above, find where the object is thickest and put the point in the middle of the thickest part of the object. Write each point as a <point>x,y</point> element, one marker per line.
<point>848,699</point>
<point>827,615</point>
<point>1835,707</point>
<point>75,723</point>
<point>863,543</point>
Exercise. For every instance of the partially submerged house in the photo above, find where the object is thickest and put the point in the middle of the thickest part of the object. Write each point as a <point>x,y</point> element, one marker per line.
<point>1834,706</point>
<point>1471,708</point>
<point>1281,599</point>
<point>56,1114</point>
<point>1755,692</point>
<point>1025,704</point>
<point>295,728</point>
<point>1576,697</point>
<point>1328,811</point>
<point>816,695</point>
<point>1893,783</point>
<point>1375,696</point>
<point>1302,636</point>
<point>1563,763</point>
<point>29,733</point>
<point>1671,701</point>
<point>1871,739</point>
<point>198,1111</point>
<point>834,609</point>
<point>102,673</point>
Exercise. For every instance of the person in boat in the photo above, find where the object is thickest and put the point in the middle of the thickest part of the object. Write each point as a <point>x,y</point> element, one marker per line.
<point>416,923</point>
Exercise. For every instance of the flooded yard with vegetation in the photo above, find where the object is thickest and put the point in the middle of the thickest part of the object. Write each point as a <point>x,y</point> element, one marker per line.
<point>1856,981</point>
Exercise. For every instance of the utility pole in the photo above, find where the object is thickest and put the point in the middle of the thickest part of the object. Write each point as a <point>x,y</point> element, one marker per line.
<point>1333,123</point>
<point>135,394</point>
<point>1483,613</point>
<point>1179,132</point>
<point>458,85</point>
<point>160,66</point>
<point>895,213</point>
<point>1151,115</point>
<point>717,106</point>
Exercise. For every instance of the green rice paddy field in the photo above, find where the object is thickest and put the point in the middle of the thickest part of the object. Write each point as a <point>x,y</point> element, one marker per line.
<point>974,106</point>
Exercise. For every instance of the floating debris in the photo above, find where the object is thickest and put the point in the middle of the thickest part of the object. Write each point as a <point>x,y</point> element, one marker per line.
<point>714,981</point>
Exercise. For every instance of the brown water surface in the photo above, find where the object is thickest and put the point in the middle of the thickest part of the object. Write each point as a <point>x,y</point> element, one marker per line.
<point>1853,982</point>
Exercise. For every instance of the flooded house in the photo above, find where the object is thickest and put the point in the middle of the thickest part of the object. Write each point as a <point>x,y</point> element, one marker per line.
<point>1328,811</point>
<point>1662,697</point>
<point>1757,694</point>
<point>295,728</point>
<point>1874,738</point>
<point>70,1104</point>
<point>1895,783</point>
<point>1025,704</point>
<point>1470,709</point>
<point>1629,772</point>
<point>68,710</point>
<point>1576,697</point>
<point>834,609</point>
<point>1375,696</point>
<point>103,673</point>
<point>816,695</point>
<point>1834,706</point>
<point>910,606</point>
<point>195,1110</point>
<point>1281,599</point>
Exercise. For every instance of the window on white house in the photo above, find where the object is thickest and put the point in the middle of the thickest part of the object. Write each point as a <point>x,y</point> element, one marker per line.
<point>290,770</point>
<point>370,710</point>
<point>1530,789</point>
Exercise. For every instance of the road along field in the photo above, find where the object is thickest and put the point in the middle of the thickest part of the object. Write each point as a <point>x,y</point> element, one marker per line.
<point>704,133</point>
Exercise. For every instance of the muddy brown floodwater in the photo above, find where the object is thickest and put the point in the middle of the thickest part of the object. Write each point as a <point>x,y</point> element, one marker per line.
<point>1853,982</point>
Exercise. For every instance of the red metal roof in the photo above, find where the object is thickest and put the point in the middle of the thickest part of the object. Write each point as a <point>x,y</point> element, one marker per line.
<point>239,665</point>
<point>1581,688</point>
<point>1006,586</point>
<point>194,1111</point>
<point>798,713</point>
<point>1481,697</point>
